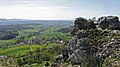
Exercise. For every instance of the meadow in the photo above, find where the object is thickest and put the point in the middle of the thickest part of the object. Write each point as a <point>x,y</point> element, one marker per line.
<point>39,43</point>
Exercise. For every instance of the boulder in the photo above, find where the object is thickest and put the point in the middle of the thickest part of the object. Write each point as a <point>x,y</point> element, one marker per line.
<point>76,57</point>
<point>82,23</point>
<point>58,58</point>
<point>79,22</point>
<point>109,22</point>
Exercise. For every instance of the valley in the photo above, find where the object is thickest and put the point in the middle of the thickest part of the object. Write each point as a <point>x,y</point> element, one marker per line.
<point>35,43</point>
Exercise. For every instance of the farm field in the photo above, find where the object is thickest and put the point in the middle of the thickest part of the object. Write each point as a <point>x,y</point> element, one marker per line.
<point>34,45</point>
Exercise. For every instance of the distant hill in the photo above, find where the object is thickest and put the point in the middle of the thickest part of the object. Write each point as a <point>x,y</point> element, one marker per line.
<point>22,21</point>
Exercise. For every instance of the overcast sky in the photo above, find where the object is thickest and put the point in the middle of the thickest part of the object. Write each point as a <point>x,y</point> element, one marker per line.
<point>57,9</point>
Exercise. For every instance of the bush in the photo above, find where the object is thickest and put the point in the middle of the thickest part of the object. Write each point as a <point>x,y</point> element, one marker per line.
<point>20,62</point>
<point>47,64</point>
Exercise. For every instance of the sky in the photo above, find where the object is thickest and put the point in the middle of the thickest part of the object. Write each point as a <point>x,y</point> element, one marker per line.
<point>58,9</point>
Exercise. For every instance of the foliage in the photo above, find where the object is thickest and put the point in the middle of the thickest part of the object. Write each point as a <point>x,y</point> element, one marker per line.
<point>40,53</point>
<point>8,62</point>
<point>6,35</point>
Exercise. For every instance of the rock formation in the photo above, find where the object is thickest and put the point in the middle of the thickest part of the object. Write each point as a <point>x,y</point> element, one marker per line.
<point>109,22</point>
<point>91,47</point>
<point>82,24</point>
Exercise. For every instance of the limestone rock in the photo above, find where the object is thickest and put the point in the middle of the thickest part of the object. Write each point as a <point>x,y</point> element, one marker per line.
<point>82,24</point>
<point>109,22</point>
<point>90,46</point>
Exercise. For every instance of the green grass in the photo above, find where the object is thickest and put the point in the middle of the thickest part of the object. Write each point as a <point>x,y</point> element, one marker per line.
<point>18,50</point>
<point>5,42</point>
<point>9,41</point>
<point>22,49</point>
<point>26,32</point>
<point>50,33</point>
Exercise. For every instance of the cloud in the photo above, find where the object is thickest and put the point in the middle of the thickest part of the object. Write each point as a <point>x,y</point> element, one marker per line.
<point>31,11</point>
<point>47,9</point>
<point>27,1</point>
<point>61,7</point>
<point>52,7</point>
<point>35,11</point>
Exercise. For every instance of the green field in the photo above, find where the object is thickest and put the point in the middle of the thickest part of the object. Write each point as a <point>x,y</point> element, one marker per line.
<point>16,50</point>
<point>46,51</point>
<point>22,50</point>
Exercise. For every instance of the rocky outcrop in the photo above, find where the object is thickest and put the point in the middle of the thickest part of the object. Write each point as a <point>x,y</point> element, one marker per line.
<point>93,47</point>
<point>105,22</point>
<point>109,22</point>
<point>82,24</point>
